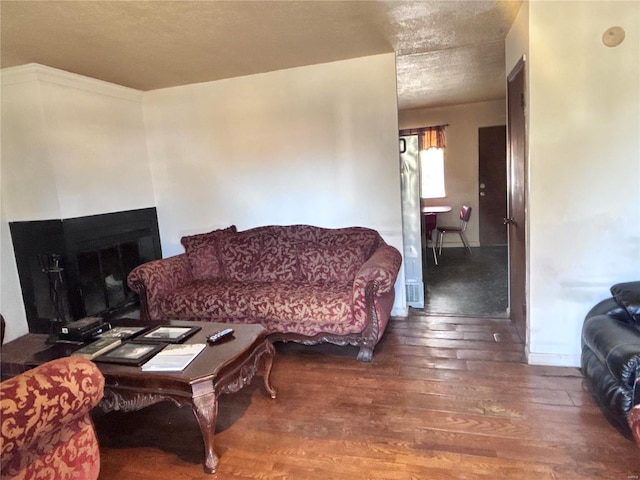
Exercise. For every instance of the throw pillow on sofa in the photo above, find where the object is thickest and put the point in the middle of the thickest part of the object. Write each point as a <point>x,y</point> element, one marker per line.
<point>239,254</point>
<point>277,262</point>
<point>202,252</point>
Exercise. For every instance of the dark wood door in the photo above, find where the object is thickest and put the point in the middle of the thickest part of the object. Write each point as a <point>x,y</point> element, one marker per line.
<point>492,178</point>
<point>516,209</point>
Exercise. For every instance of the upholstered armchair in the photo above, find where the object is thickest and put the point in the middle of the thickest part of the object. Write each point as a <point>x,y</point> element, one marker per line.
<point>634,422</point>
<point>46,429</point>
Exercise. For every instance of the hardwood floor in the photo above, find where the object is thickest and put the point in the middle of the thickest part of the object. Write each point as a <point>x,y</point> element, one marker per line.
<point>444,398</point>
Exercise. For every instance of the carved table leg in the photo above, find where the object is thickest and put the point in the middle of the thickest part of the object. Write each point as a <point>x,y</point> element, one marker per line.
<point>205,408</point>
<point>268,363</point>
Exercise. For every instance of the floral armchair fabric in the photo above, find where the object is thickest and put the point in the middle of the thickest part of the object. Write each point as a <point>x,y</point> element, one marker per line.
<point>634,422</point>
<point>46,428</point>
<point>303,283</point>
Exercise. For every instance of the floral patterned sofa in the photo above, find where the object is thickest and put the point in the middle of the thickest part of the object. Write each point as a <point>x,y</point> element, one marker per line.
<point>46,428</point>
<point>303,283</point>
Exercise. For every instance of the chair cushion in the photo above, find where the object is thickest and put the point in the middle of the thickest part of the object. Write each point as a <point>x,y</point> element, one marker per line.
<point>202,252</point>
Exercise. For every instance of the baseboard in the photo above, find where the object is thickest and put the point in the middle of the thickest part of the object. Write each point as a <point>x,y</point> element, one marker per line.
<point>400,311</point>
<point>553,359</point>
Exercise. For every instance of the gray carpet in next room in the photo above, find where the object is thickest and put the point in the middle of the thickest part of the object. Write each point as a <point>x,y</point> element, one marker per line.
<point>467,284</point>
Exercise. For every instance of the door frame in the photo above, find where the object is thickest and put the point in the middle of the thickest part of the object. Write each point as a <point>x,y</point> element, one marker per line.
<point>517,217</point>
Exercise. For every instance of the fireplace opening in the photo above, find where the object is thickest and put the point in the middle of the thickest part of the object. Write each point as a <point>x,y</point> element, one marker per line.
<point>94,255</point>
<point>103,276</point>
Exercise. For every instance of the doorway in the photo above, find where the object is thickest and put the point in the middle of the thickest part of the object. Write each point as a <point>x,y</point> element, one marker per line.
<point>492,185</point>
<point>476,284</point>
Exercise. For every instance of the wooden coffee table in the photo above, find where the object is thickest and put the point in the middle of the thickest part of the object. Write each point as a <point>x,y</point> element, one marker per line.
<point>225,367</point>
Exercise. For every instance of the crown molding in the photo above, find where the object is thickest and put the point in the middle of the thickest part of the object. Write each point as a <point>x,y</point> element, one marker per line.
<point>35,72</point>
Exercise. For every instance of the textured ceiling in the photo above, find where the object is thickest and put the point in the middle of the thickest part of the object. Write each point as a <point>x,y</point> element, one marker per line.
<point>448,52</point>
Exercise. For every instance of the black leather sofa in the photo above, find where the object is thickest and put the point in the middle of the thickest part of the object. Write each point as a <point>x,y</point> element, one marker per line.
<point>611,354</point>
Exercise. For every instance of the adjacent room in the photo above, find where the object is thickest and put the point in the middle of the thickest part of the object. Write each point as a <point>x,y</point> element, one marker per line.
<point>380,239</point>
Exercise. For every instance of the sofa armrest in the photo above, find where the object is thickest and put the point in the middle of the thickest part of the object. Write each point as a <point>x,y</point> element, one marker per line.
<point>373,294</point>
<point>383,267</point>
<point>616,344</point>
<point>611,308</point>
<point>156,279</point>
<point>45,412</point>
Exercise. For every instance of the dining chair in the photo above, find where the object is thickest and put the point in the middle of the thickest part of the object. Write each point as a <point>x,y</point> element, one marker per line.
<point>429,227</point>
<point>465,214</point>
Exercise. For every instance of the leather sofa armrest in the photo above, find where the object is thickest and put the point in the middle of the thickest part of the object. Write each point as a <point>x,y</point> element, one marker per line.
<point>616,344</point>
<point>156,279</point>
<point>612,308</point>
<point>41,403</point>
<point>628,296</point>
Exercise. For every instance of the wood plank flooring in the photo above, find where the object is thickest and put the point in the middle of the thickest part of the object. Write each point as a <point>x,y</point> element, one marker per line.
<point>444,398</point>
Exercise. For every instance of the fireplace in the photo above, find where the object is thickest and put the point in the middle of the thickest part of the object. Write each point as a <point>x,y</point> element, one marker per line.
<point>82,263</point>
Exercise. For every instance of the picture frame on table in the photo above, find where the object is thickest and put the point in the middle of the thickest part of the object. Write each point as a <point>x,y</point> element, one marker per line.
<point>168,334</point>
<point>123,333</point>
<point>131,353</point>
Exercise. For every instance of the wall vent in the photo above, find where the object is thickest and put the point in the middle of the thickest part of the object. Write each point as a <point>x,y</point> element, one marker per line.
<point>415,295</point>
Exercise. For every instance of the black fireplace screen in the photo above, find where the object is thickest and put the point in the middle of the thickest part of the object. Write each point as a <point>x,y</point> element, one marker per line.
<point>103,276</point>
<point>95,255</point>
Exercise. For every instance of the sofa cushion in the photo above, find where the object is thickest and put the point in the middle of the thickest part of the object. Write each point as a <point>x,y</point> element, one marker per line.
<point>210,299</point>
<point>628,295</point>
<point>305,309</point>
<point>320,264</point>
<point>279,306</point>
<point>202,252</point>
<point>239,254</point>
<point>277,261</point>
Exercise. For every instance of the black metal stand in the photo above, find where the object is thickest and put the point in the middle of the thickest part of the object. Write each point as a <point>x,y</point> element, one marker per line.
<point>51,266</point>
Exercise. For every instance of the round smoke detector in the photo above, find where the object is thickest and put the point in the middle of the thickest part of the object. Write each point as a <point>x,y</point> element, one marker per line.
<point>613,36</point>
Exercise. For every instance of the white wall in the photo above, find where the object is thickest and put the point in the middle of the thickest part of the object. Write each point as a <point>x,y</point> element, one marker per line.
<point>315,145</point>
<point>28,177</point>
<point>71,146</point>
<point>11,305</point>
<point>461,156</point>
<point>307,145</point>
<point>584,165</point>
<point>311,145</point>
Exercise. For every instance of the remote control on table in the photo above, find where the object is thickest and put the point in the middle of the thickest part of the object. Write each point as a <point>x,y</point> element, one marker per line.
<point>214,337</point>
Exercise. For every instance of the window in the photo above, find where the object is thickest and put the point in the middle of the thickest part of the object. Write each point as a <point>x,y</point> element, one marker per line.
<point>432,173</point>
<point>431,144</point>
